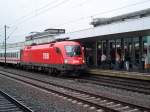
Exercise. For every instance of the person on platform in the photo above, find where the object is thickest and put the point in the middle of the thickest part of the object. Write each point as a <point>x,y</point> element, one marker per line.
<point>103,60</point>
<point>146,62</point>
<point>117,61</point>
<point>127,61</point>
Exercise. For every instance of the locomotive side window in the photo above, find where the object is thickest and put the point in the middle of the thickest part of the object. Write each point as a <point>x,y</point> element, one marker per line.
<point>73,50</point>
<point>58,50</point>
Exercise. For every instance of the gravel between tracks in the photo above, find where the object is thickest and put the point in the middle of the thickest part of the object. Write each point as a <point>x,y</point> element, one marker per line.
<point>39,100</point>
<point>135,98</point>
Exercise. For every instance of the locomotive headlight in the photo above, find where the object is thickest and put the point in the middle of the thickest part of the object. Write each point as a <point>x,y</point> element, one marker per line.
<point>83,61</point>
<point>65,61</point>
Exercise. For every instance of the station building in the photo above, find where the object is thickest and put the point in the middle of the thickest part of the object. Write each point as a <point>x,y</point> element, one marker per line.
<point>116,37</point>
<point>46,36</point>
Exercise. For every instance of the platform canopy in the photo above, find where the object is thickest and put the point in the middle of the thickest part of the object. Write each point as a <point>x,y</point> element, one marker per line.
<point>133,26</point>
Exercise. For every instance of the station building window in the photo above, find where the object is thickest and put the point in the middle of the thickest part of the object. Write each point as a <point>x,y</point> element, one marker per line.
<point>99,52</point>
<point>90,52</point>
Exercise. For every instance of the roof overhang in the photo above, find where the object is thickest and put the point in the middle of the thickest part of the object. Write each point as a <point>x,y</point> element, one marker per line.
<point>128,28</point>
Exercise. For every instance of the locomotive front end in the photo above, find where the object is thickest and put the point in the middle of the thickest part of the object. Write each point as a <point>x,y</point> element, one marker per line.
<point>74,58</point>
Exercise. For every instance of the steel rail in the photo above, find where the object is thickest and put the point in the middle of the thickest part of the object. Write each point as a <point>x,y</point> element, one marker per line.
<point>121,84</point>
<point>19,105</point>
<point>83,93</point>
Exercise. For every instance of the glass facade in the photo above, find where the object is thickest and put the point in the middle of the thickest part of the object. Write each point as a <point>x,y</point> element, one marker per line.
<point>118,51</point>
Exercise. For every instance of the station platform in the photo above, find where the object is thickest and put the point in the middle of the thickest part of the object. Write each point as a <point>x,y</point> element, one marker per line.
<point>123,74</point>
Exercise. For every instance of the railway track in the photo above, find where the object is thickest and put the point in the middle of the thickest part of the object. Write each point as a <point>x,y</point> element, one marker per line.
<point>138,86</point>
<point>125,84</point>
<point>97,102</point>
<point>10,104</point>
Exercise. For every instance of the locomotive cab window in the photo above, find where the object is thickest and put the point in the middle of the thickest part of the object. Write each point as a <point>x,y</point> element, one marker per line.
<point>73,50</point>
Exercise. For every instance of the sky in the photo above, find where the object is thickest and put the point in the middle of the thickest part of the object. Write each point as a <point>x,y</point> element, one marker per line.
<point>25,16</point>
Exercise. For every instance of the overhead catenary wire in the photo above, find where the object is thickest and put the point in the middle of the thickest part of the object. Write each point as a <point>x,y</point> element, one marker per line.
<point>81,4</point>
<point>126,6</point>
<point>81,18</point>
<point>25,18</point>
<point>41,12</point>
<point>32,12</point>
<point>104,12</point>
<point>11,33</point>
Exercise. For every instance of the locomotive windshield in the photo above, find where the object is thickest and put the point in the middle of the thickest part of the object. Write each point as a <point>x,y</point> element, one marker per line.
<point>73,50</point>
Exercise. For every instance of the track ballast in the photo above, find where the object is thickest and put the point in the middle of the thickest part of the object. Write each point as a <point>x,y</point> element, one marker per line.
<point>74,95</point>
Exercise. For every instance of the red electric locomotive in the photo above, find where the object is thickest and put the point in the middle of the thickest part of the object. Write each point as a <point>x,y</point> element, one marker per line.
<point>57,57</point>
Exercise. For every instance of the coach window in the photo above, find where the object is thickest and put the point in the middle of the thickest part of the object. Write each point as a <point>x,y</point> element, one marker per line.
<point>16,55</point>
<point>12,54</point>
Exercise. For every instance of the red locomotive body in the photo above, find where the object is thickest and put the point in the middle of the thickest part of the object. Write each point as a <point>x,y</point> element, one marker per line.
<point>55,57</point>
